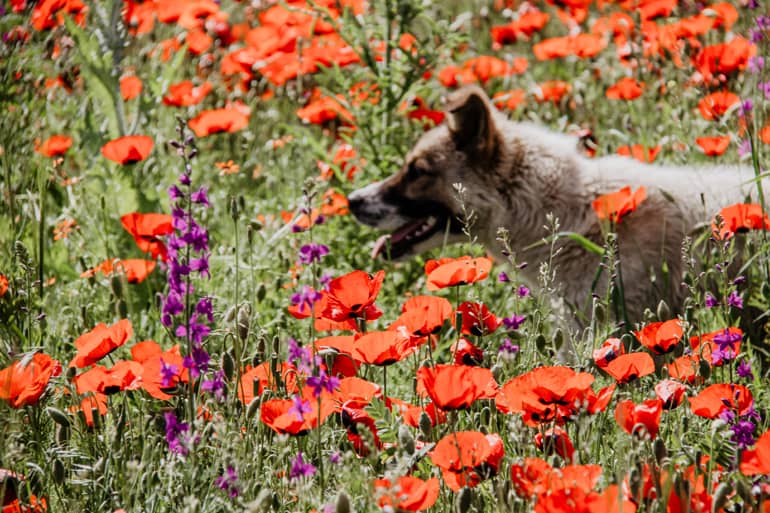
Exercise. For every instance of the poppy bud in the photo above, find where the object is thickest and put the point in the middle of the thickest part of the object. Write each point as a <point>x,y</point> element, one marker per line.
<point>116,284</point>
<point>721,496</point>
<point>704,369</point>
<point>648,316</point>
<point>121,308</point>
<point>558,339</point>
<point>261,292</point>
<point>262,503</point>
<point>244,321</point>
<point>766,290</point>
<point>234,208</point>
<point>426,425</point>
<point>62,434</point>
<point>659,448</point>
<point>58,416</point>
<point>540,343</point>
<point>600,314</point>
<point>406,440</point>
<point>343,503</point>
<point>228,365</point>
<point>497,371</point>
<point>635,482</point>
<point>463,500</point>
<point>744,491</point>
<point>120,428</point>
<point>253,407</point>
<point>59,472</point>
<point>663,311</point>
<point>229,315</point>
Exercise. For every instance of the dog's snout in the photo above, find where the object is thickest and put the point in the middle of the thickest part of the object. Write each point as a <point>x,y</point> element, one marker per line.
<point>355,201</point>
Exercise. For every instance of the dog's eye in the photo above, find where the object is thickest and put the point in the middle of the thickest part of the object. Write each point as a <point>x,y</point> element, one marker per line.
<point>420,167</point>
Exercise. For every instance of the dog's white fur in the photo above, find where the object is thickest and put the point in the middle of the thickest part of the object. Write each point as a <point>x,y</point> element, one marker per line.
<point>514,174</point>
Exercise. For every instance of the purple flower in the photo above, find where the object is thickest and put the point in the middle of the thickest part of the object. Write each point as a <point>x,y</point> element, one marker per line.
<point>764,87</point>
<point>503,278</point>
<point>300,407</point>
<point>710,300</point>
<point>523,291</point>
<point>508,348</point>
<point>755,64</point>
<point>310,253</point>
<point>763,22</point>
<point>177,443</point>
<point>300,357</point>
<point>744,148</point>
<point>305,298</point>
<point>322,382</point>
<point>744,370</point>
<point>168,373</point>
<point>742,427</point>
<point>513,322</point>
<point>197,361</point>
<point>228,482</point>
<point>756,35</point>
<point>300,469</point>
<point>200,197</point>
<point>735,300</point>
<point>335,458</point>
<point>215,385</point>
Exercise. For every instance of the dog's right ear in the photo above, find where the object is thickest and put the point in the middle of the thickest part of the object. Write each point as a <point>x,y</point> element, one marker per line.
<point>470,121</point>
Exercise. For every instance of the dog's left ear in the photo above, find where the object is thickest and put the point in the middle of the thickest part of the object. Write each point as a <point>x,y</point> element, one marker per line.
<point>471,122</point>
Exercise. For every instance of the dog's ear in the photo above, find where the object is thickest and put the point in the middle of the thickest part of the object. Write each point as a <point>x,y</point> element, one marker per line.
<point>471,122</point>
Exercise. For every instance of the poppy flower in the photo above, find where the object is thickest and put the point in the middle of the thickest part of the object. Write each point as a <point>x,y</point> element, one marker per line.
<point>411,414</point>
<point>351,297</point>
<point>136,270</point>
<point>535,477</point>
<point>510,100</point>
<point>354,419</point>
<point>610,349</point>
<point>552,48</point>
<point>628,367</point>
<point>555,441</point>
<point>527,476</point>
<point>128,149</point>
<point>124,375</point>
<point>670,392</point>
<point>485,67</point>
<point>383,347</point>
<point>764,134</point>
<point>716,105</point>
<point>552,91</point>
<point>341,343</point>
<point>545,394</point>
<point>448,272</point>
<point>324,109</point>
<point>3,285</point>
<point>639,152</point>
<point>467,456</point>
<point>714,399</point>
<point>90,406</point>
<point>162,370</point>
<point>420,111</point>
<point>524,26</point>
<point>465,353</point>
<point>455,387</point>
<point>48,14</point>
<point>740,218</point>
<point>423,316</point>
<point>639,419</point>
<point>345,160</point>
<point>280,415</point>
<point>615,205</point>
<point>100,341</point>
<point>724,58</point>
<point>477,319</point>
<point>194,14</point>
<point>185,93</point>
<point>356,392</point>
<point>409,493</point>
<point>146,230</point>
<point>626,88</point>
<point>684,368</point>
<point>218,120</point>
<point>54,146</point>
<point>130,87</point>
<point>24,381</point>
<point>661,337</point>
<point>713,146</point>
<point>255,380</point>
<point>757,460</point>
<point>718,346</point>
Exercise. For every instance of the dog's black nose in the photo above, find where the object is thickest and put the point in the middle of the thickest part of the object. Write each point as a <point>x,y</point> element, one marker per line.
<point>355,202</point>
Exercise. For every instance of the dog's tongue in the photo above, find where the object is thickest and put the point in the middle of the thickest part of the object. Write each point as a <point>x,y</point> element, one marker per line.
<point>379,246</point>
<point>395,237</point>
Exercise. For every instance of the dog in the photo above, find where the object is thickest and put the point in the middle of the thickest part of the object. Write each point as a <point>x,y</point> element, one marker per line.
<point>514,174</point>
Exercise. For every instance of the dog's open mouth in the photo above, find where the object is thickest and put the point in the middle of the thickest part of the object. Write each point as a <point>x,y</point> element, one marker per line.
<point>404,239</point>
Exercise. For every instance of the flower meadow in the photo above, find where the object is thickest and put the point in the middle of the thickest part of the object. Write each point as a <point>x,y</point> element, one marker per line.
<point>191,320</point>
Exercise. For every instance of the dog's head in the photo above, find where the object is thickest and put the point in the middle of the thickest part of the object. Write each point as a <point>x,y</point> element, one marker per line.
<point>419,203</point>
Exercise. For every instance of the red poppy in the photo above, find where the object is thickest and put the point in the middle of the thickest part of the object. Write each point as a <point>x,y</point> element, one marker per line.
<point>610,349</point>
<point>684,368</point>
<point>639,419</point>
<point>356,392</point>
<point>100,341</point>
<point>716,105</point>
<point>130,87</point>
<point>198,41</point>
<point>524,26</point>
<point>724,58</point>
<point>411,414</point>
<point>279,415</point>
<point>552,91</point>
<point>383,347</point>
<point>615,205</point>
<point>713,146</point>
<point>485,67</point>
<point>740,218</point>
<point>54,146</point>
<point>3,285</point>
<point>24,381</point>
<point>194,14</point>
<point>704,344</point>
<point>510,100</point>
<point>185,93</point>
<point>764,134</point>
<point>528,475</point>
<point>218,120</point>
<point>714,399</point>
<point>255,380</point>
<point>628,367</point>
<point>419,111</point>
<point>409,493</point>
<point>757,460</point>
<point>324,109</point>
<point>626,88</point>
<point>555,441</point>
<point>545,394</point>
<point>553,48</point>
<point>128,149</point>
<point>48,14</point>
<point>639,152</point>
<point>345,160</point>
<point>90,406</point>
<point>162,370</point>
<point>661,337</point>
<point>124,375</point>
<point>477,319</point>
<point>135,269</point>
<point>146,230</point>
<point>448,272</point>
<point>454,387</point>
<point>351,297</point>
<point>670,392</point>
<point>423,316</point>
<point>354,419</point>
<point>535,477</point>
<point>466,457</point>
<point>465,353</point>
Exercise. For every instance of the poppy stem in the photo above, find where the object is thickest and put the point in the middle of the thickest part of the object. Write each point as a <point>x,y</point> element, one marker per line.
<point>385,382</point>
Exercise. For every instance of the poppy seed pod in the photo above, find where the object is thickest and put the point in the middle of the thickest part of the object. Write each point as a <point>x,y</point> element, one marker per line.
<point>116,284</point>
<point>343,503</point>
<point>58,416</point>
<point>463,500</point>
<point>426,425</point>
<point>244,321</point>
<point>406,440</point>
<point>58,471</point>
